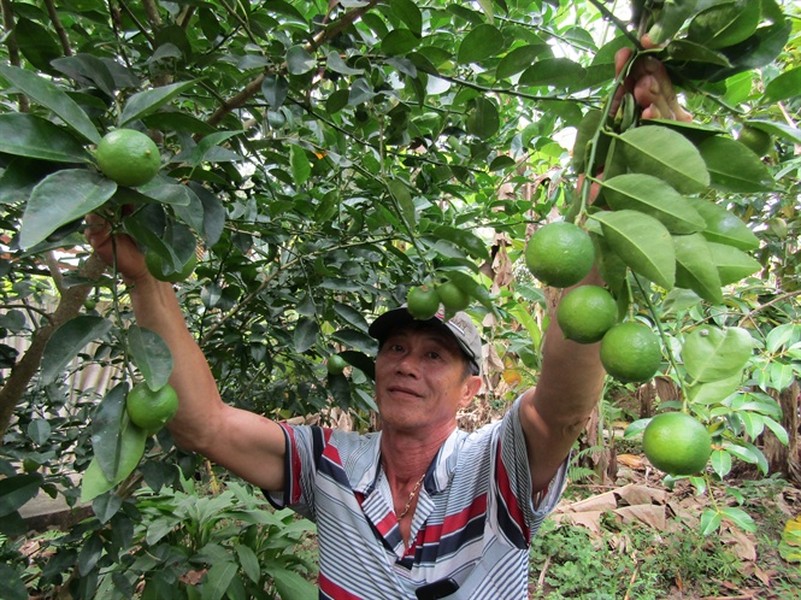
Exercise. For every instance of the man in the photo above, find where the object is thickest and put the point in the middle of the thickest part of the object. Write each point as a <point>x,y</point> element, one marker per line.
<point>420,508</point>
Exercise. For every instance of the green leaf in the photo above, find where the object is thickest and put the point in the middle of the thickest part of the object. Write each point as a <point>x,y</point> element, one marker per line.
<point>36,44</point>
<point>60,198</point>
<point>144,103</point>
<point>725,24</point>
<point>299,162</point>
<point>711,353</point>
<point>733,167</point>
<point>784,86</point>
<point>695,269</point>
<point>483,120</point>
<point>556,72</point>
<point>654,197</point>
<point>724,227</point>
<point>721,462</point>
<point>635,428</point>
<point>642,243</point>
<point>519,60</point>
<point>399,42</point>
<point>106,429</point>
<point>27,135</point>
<point>782,337</point>
<point>16,490</point>
<point>732,264</point>
<point>290,584</point>
<point>408,12</point>
<point>780,130</point>
<point>305,335</point>
<point>11,585</point>
<point>667,155</point>
<point>249,562</point>
<point>710,521</point>
<point>217,580</point>
<point>132,448</point>
<point>151,355</point>
<point>463,238</point>
<point>400,193</point>
<point>67,341</point>
<point>299,61</point>
<point>42,91</point>
<point>739,517</point>
<point>274,88</point>
<point>713,392</point>
<point>483,41</point>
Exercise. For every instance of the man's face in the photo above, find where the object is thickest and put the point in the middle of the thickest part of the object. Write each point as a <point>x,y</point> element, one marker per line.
<point>420,380</point>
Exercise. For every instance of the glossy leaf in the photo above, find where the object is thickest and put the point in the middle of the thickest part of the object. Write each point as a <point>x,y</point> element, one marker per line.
<point>732,264</point>
<point>555,72</point>
<point>11,585</point>
<point>733,167</point>
<point>519,60</point>
<point>483,120</point>
<point>143,103</point>
<point>106,430</point>
<point>713,392</point>
<point>712,354</point>
<point>27,135</point>
<point>16,490</point>
<point>667,155</point>
<point>67,341</point>
<point>784,86</point>
<point>641,242</point>
<point>484,41</point>
<point>151,355</point>
<point>725,24</point>
<point>47,94</point>
<point>290,584</point>
<point>695,268</point>
<point>724,227</point>
<point>652,196</point>
<point>132,448</point>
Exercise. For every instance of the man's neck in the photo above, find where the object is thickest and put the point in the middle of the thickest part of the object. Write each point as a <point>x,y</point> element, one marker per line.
<point>406,457</point>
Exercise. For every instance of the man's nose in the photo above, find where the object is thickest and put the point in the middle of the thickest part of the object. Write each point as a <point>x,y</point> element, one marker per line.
<point>409,364</point>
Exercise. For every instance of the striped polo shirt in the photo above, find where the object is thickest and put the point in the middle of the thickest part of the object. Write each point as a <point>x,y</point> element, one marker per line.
<point>474,519</point>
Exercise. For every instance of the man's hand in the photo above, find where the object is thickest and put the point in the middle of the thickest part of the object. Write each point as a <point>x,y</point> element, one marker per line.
<point>650,84</point>
<point>116,249</point>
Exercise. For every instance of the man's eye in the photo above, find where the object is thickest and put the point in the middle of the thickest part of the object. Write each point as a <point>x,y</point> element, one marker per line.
<point>433,355</point>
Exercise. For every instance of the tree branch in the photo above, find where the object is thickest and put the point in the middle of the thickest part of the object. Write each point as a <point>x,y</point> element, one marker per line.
<point>13,49</point>
<point>62,33</point>
<point>23,372</point>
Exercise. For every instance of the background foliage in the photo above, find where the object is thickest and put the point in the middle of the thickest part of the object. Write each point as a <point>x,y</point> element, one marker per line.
<point>320,158</point>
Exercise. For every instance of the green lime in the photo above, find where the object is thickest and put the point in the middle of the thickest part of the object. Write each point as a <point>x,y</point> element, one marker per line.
<point>155,264</point>
<point>128,157</point>
<point>560,254</point>
<point>630,351</point>
<point>422,302</point>
<point>151,409</point>
<point>336,364</point>
<point>676,443</point>
<point>757,140</point>
<point>586,313</point>
<point>452,297</point>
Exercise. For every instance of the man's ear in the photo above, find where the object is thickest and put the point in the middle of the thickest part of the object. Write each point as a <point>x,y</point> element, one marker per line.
<point>472,385</point>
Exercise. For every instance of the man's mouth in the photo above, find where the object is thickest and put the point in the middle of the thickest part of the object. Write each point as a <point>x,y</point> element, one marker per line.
<point>399,389</point>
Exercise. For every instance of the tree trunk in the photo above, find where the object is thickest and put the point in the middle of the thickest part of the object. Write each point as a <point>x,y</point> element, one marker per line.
<point>786,459</point>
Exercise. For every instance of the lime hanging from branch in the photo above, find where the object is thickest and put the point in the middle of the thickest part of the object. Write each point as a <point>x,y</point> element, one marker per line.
<point>560,254</point>
<point>128,157</point>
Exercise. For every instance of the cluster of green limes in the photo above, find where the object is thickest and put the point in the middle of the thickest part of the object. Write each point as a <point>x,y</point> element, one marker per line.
<point>423,301</point>
<point>151,409</point>
<point>561,255</point>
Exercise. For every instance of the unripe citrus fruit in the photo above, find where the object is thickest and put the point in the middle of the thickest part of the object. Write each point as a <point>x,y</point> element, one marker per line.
<point>560,254</point>
<point>676,443</point>
<point>630,351</point>
<point>336,364</point>
<point>128,157</point>
<point>155,264</point>
<point>422,302</point>
<point>586,313</point>
<point>150,409</point>
<point>452,297</point>
<point>757,140</point>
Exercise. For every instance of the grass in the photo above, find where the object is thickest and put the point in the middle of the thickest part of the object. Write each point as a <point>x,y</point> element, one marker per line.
<point>635,561</point>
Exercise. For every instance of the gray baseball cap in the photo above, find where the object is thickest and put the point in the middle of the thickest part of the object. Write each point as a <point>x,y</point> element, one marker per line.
<point>459,325</point>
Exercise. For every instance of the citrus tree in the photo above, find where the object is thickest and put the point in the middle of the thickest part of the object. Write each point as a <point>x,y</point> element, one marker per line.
<point>296,168</point>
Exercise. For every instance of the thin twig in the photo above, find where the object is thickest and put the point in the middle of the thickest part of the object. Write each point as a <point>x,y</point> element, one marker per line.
<point>56,21</point>
<point>13,49</point>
